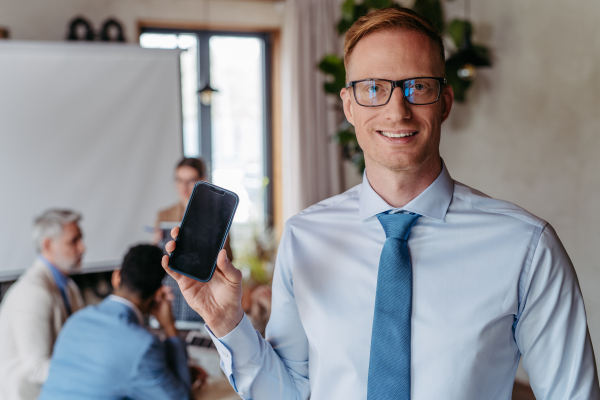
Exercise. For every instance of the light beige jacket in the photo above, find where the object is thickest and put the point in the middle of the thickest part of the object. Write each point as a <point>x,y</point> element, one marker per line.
<point>31,315</point>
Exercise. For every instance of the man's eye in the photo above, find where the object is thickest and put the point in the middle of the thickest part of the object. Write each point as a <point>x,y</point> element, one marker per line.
<point>419,86</point>
<point>374,89</point>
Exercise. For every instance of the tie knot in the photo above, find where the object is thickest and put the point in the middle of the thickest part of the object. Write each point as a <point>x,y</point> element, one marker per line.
<point>397,225</point>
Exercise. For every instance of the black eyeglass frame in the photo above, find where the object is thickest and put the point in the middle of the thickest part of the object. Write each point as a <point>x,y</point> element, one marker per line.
<point>396,84</point>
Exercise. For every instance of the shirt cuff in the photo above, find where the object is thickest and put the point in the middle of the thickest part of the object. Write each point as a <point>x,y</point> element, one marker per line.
<point>238,347</point>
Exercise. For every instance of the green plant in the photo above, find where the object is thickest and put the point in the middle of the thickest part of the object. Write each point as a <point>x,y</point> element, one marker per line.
<point>459,31</point>
<point>257,259</point>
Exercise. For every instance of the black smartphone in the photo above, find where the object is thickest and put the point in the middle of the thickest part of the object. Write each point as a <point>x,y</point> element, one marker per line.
<point>203,231</point>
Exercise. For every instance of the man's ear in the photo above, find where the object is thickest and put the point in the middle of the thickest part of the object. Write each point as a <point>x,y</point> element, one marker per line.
<point>447,99</point>
<point>46,245</point>
<point>115,279</point>
<point>347,102</point>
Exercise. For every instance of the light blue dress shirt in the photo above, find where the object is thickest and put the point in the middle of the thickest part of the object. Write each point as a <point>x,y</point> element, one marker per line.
<point>491,282</point>
<point>104,353</point>
<point>61,280</point>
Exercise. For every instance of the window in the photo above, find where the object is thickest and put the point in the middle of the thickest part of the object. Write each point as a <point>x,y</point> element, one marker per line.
<point>233,132</point>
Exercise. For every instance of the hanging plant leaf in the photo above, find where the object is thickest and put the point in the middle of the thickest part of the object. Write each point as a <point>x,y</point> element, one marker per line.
<point>343,26</point>
<point>377,4</point>
<point>332,88</point>
<point>459,86</point>
<point>360,10</point>
<point>350,13</point>
<point>456,30</point>
<point>346,138</point>
<point>431,9</point>
<point>359,162</point>
<point>333,65</point>
<point>483,52</point>
<point>348,10</point>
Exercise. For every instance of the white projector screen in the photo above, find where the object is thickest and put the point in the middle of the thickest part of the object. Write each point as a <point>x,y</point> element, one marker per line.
<point>91,127</point>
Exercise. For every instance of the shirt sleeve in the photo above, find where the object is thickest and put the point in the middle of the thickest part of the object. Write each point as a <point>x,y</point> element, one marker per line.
<point>551,330</point>
<point>155,379</point>
<point>177,359</point>
<point>275,368</point>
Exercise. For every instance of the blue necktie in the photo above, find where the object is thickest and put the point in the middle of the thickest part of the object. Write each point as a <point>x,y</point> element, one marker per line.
<point>389,364</point>
<point>66,300</point>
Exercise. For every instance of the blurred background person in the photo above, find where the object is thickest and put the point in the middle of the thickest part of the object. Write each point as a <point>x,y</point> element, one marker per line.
<point>105,352</point>
<point>187,173</point>
<point>257,300</point>
<point>35,308</point>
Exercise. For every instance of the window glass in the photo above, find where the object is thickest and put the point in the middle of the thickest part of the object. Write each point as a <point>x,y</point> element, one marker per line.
<point>236,67</point>
<point>189,81</point>
<point>237,119</point>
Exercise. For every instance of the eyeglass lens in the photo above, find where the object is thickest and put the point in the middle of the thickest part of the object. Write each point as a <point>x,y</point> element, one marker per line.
<point>416,91</point>
<point>186,182</point>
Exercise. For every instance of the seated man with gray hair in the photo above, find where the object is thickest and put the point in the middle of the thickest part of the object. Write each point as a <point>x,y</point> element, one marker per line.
<point>37,305</point>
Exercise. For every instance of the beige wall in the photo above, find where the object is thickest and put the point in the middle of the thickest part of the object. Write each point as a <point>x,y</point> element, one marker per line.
<point>48,20</point>
<point>530,131</point>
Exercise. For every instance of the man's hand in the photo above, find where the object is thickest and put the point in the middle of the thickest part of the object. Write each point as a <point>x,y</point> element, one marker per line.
<point>218,301</point>
<point>162,310</point>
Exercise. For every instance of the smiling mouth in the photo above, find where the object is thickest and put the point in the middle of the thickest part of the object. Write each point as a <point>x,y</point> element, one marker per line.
<point>397,135</point>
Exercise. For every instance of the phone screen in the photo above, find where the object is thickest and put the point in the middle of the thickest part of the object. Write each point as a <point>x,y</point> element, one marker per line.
<point>203,231</point>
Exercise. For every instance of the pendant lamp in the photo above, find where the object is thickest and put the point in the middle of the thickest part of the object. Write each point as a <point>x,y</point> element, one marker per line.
<point>207,91</point>
<point>206,94</point>
<point>466,59</point>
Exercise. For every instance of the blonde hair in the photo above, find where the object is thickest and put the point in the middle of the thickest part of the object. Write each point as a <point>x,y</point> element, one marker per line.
<point>391,18</point>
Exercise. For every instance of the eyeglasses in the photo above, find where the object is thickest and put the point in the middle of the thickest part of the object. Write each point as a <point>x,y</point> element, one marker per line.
<point>186,182</point>
<point>377,92</point>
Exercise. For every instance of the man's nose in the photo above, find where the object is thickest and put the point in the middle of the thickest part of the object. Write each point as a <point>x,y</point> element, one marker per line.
<point>398,108</point>
<point>81,247</point>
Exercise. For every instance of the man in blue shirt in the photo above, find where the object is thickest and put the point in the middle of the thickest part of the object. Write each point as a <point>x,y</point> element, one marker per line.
<point>105,352</point>
<point>410,285</point>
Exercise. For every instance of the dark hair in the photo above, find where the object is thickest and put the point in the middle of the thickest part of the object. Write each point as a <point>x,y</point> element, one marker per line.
<point>141,272</point>
<point>392,18</point>
<point>196,163</point>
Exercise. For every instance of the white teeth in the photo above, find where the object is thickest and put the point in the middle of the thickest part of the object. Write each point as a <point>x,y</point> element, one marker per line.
<point>396,135</point>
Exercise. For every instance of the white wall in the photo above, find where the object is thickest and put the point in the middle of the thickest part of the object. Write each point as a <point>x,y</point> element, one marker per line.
<point>48,20</point>
<point>530,131</point>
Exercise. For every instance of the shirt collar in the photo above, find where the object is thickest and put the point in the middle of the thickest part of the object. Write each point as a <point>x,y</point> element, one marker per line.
<point>60,278</point>
<point>129,304</point>
<point>433,202</point>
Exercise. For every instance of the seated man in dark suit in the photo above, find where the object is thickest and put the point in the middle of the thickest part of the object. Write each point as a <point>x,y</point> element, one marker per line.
<point>104,351</point>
